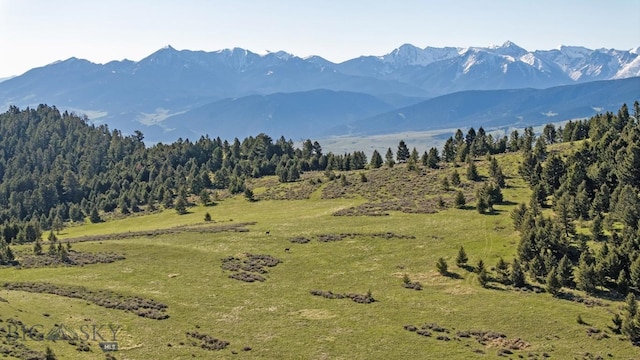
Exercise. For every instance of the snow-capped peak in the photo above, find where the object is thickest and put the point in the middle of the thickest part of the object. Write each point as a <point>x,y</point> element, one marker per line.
<point>283,55</point>
<point>574,51</point>
<point>508,48</point>
<point>408,54</point>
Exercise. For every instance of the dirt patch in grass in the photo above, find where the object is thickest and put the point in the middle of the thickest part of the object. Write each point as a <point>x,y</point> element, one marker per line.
<point>415,285</point>
<point>334,237</point>
<point>206,342</point>
<point>300,240</point>
<point>359,298</point>
<point>147,308</point>
<point>489,339</point>
<point>74,258</point>
<point>341,236</point>
<point>249,267</point>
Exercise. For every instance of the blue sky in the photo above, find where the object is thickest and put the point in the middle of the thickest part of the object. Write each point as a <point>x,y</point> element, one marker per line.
<point>34,33</point>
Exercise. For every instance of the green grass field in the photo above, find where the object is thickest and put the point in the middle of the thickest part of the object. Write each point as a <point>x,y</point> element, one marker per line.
<point>279,318</point>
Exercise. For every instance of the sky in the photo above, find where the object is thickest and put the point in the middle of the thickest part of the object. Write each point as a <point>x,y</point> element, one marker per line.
<point>34,33</point>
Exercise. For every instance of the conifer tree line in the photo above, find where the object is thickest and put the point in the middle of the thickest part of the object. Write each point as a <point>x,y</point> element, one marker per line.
<point>596,184</point>
<point>55,168</point>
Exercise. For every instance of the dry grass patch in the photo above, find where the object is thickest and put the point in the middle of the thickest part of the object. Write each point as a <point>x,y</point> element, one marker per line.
<point>313,314</point>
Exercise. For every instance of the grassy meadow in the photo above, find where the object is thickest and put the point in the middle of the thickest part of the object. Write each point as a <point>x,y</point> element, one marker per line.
<point>279,318</point>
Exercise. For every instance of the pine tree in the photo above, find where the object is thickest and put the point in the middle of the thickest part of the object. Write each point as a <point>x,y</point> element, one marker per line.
<point>62,253</point>
<point>472,171</point>
<point>481,202</point>
<point>550,134</point>
<point>479,267</point>
<point>52,247</point>
<point>57,224</point>
<point>205,198</point>
<point>582,202</point>
<point>462,258</point>
<point>565,271</point>
<point>376,160</point>
<point>405,279</point>
<point>586,277</point>
<point>389,158</point>
<point>455,178</point>
<point>622,283</point>
<point>552,172</point>
<point>94,217</point>
<point>181,205</point>
<point>37,247</point>
<point>539,195</point>
<point>403,152</point>
<point>517,275</point>
<point>248,194</point>
<point>629,167</point>
<point>502,270</point>
<point>449,150</point>
<point>617,324</point>
<point>627,208</point>
<point>564,215</point>
<point>518,216</point>
<point>596,227</point>
<point>414,156</point>
<point>631,319</point>
<point>483,277</point>
<point>207,217</point>
<point>634,274</point>
<point>442,266</point>
<point>459,200</point>
<point>536,267</point>
<point>553,282</point>
<point>527,168</point>
<point>432,158</point>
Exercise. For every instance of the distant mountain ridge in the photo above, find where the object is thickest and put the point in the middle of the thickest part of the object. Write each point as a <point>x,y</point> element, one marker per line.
<point>503,108</point>
<point>168,84</point>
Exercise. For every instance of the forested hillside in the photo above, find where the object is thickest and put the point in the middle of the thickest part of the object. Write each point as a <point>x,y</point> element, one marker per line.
<point>55,168</point>
<point>594,183</point>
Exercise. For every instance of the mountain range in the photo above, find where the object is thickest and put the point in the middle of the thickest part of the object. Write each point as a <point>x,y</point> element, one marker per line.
<point>235,92</point>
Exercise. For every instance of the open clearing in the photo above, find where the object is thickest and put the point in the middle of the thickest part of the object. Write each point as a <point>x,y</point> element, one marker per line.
<point>214,316</point>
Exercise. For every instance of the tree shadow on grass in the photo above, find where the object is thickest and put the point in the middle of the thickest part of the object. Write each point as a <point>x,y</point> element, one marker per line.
<point>493,287</point>
<point>467,267</point>
<point>452,275</point>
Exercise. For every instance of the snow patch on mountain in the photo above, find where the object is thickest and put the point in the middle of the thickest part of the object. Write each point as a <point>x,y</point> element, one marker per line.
<point>629,70</point>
